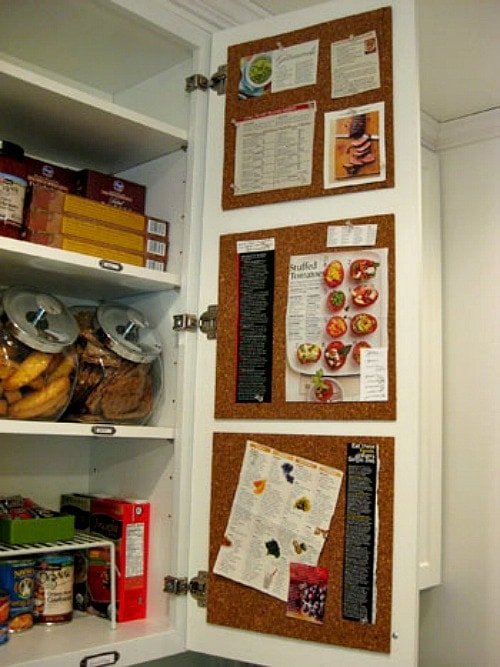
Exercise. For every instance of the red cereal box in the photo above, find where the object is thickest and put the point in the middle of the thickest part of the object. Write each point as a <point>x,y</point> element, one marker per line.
<point>126,523</point>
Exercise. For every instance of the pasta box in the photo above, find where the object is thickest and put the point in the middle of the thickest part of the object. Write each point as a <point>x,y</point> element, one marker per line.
<point>50,176</point>
<point>111,190</point>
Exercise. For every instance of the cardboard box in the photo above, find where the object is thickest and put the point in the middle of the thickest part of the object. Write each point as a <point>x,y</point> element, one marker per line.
<point>126,523</point>
<point>29,523</point>
<point>79,225</point>
<point>73,244</point>
<point>78,505</point>
<point>59,203</point>
<point>50,176</point>
<point>111,190</point>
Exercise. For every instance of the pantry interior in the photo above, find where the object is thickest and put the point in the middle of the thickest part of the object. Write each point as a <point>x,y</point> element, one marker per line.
<point>89,86</point>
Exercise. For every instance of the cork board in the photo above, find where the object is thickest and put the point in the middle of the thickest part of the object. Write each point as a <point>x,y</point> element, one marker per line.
<point>288,241</point>
<point>233,604</point>
<point>378,22</point>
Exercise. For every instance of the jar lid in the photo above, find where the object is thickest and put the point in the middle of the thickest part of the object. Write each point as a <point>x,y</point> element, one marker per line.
<point>11,150</point>
<point>38,319</point>
<point>129,333</point>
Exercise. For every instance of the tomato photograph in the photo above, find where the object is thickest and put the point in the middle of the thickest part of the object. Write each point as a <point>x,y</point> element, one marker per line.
<point>336,326</point>
<point>333,275</point>
<point>335,300</point>
<point>363,324</point>
<point>363,269</point>
<point>336,354</point>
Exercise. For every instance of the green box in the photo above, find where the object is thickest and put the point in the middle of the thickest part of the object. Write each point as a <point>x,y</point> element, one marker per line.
<point>27,531</point>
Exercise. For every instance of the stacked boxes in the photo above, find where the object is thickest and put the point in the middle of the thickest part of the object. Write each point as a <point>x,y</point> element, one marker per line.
<point>50,176</point>
<point>126,523</point>
<point>111,190</point>
<point>77,224</point>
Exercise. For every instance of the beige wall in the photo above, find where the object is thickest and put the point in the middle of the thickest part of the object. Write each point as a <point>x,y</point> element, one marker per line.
<point>459,619</point>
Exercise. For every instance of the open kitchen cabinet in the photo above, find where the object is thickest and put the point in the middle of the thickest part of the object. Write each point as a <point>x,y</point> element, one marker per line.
<point>74,95</point>
<point>100,85</point>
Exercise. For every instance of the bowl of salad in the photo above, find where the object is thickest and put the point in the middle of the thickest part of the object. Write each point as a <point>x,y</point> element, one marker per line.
<point>259,70</point>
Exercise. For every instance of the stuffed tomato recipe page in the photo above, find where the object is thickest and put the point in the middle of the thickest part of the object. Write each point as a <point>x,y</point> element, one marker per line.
<point>337,307</point>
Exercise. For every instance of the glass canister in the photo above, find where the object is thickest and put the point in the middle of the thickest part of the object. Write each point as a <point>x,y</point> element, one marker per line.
<point>120,366</point>
<point>38,361</point>
<point>13,184</point>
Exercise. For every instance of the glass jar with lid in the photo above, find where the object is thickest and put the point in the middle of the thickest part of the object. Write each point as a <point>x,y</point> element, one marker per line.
<point>120,366</point>
<point>38,361</point>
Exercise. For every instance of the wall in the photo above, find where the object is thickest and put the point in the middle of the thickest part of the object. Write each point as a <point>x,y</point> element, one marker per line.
<point>459,619</point>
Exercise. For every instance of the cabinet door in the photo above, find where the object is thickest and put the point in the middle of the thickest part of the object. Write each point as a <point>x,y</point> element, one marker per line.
<point>404,202</point>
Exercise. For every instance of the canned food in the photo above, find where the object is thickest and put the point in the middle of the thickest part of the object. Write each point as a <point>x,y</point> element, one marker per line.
<point>13,184</point>
<point>53,599</point>
<point>4,616</point>
<point>17,578</point>
<point>4,606</point>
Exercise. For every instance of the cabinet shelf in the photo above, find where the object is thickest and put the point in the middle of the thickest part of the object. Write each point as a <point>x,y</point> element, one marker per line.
<point>66,429</point>
<point>79,541</point>
<point>77,275</point>
<point>56,122</point>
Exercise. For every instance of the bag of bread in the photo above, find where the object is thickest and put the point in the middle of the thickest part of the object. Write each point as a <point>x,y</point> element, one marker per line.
<point>120,367</point>
<point>38,361</point>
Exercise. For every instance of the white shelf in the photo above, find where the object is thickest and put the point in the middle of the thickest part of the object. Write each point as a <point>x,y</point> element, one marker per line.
<point>76,275</point>
<point>56,122</point>
<point>67,429</point>
<point>79,541</point>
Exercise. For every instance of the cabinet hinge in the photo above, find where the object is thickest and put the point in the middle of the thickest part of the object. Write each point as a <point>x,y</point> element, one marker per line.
<point>217,81</point>
<point>197,587</point>
<point>207,322</point>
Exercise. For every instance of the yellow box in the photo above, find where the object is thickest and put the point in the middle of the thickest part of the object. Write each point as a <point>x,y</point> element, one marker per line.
<point>96,231</point>
<point>87,208</point>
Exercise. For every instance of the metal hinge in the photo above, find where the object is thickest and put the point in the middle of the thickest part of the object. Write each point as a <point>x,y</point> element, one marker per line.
<point>217,81</point>
<point>207,322</point>
<point>197,587</point>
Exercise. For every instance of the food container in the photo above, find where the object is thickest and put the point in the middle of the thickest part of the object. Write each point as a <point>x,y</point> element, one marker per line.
<point>13,184</point>
<point>17,577</point>
<point>120,368</point>
<point>106,189</point>
<point>4,615</point>
<point>38,361</point>
<point>22,521</point>
<point>53,597</point>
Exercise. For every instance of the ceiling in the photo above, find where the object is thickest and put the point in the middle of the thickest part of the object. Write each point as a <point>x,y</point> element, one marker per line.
<point>458,42</point>
<point>459,53</point>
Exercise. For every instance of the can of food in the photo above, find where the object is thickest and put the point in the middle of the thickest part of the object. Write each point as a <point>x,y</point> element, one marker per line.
<point>4,616</point>
<point>13,184</point>
<point>17,579</point>
<point>53,599</point>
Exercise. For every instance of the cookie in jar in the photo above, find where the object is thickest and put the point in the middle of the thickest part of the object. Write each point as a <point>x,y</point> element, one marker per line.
<point>38,362</point>
<point>120,366</point>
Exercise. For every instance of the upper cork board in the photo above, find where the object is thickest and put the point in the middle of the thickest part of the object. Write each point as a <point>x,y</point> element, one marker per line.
<point>310,112</point>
